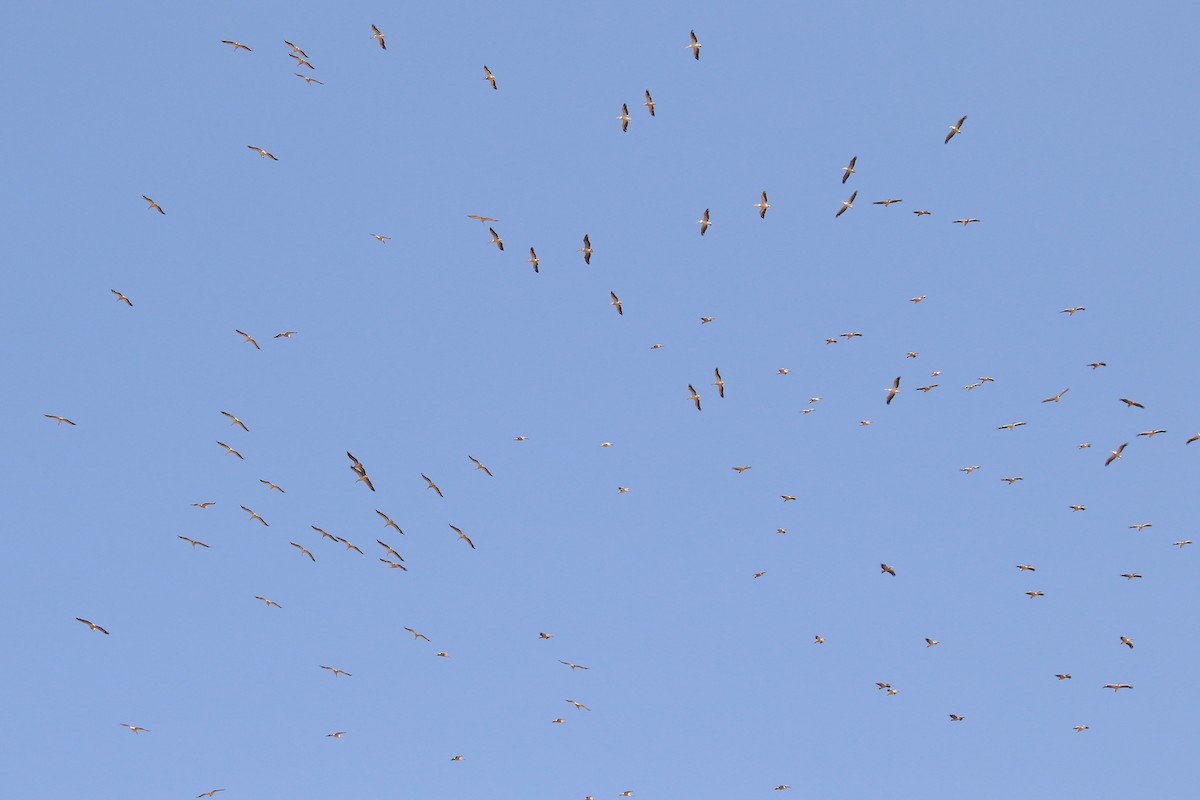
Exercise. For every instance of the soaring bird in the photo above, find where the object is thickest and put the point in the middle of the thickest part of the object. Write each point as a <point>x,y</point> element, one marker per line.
<point>488,76</point>
<point>616,303</point>
<point>1026,568</point>
<point>1071,311</point>
<point>463,536</point>
<point>254,516</point>
<point>1115,454</point>
<point>533,259</point>
<point>1116,687</point>
<point>892,392</point>
<point>496,240</point>
<point>848,170</point>
<point>209,793</point>
<point>966,221</point>
<point>92,625</point>
<point>387,522</point>
<point>1141,526</point>
<point>1080,728</point>
<point>270,485</point>
<point>1063,676</point>
<point>1097,365</point>
<point>285,335</point>
<point>479,465</point>
<point>1057,397</point>
<point>302,550</point>
<point>1125,640</point>
<point>704,223</point>
<point>1153,433</point>
<point>888,568</point>
<point>136,728</point>
<point>1032,595</point>
<point>391,551</point>
<point>394,565</point>
<point>955,718</point>
<point>235,421</point>
<point>376,34</point>
<point>379,237</point>
<point>1011,426</point>
<point>586,250</point>
<point>262,153</point>
<point>324,533</point>
<point>846,204</point>
<point>59,420</point>
<point>1011,480</point>
<point>295,49</point>
<point>248,339</point>
<point>922,212</point>
<point>1078,507</point>
<point>579,705</point>
<point>432,485</point>
<point>268,603</point>
<point>417,635</point>
<point>1130,575</point>
<point>236,46</point>
<point>572,666</point>
<point>649,102</point>
<point>762,206</point>
<point>623,117</point>
<point>954,129</point>
<point>337,671</point>
<point>193,542</point>
<point>336,734</point>
<point>300,62</point>
<point>740,470</point>
<point>153,205</point>
<point>231,451</point>
<point>719,383</point>
<point>307,79</point>
<point>483,220</point>
<point>930,642</point>
<point>695,398</point>
<point>886,203</point>
<point>204,505</point>
<point>1131,403</point>
<point>695,46</point>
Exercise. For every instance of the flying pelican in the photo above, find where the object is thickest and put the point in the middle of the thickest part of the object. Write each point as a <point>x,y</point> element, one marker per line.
<point>204,505</point>
<point>496,240</point>
<point>969,470</point>
<point>59,420</point>
<point>1078,508</point>
<point>381,238</point>
<point>1012,480</point>
<point>740,470</point>
<point>300,62</point>
<point>848,170</point>
<point>478,465</point>
<point>1116,687</point>
<point>267,602</point>
<point>394,565</point>
<point>624,117</point>
<point>545,635</point>
<point>966,221</point>
<point>1080,728</point>
<point>302,551</point>
<point>1130,575</point>
<point>1026,568</point>
<point>1032,595</point>
<point>248,339</point>
<point>1131,403</point>
<point>254,516</point>
<point>1063,676</point>
<point>695,398</point>
<point>295,49</point>
<point>706,320</point>
<point>922,212</point>
<point>695,46</point>
<point>572,666</point>
<point>954,129</point>
<point>93,626</point>
<point>209,793</point>
<point>336,734</point>
<point>720,383</point>
<point>703,223</point>
<point>586,250</point>
<point>847,204</point>
<point>231,451</point>
<point>235,421</point>
<point>649,102</point>
<point>533,259</point>
<point>324,533</point>
<point>153,205</point>
<point>892,392</point>
<point>261,153</point>
<point>237,46</point>
<point>888,568</point>
<point>762,206</point>
<point>193,542</point>
<point>1071,311</point>
<point>463,536</point>
<point>337,671</point>
<point>1125,640</point>
<point>1011,426</point>
<point>1141,526</point>
<point>390,549</point>
<point>1057,397</point>
<point>387,522</point>
<point>136,728</point>
<point>379,36</point>
<point>488,76</point>
<point>930,642</point>
<point>616,303</point>
<point>308,80</point>
<point>886,203</point>
<point>1097,364</point>
<point>285,335</point>
<point>579,705</point>
<point>432,485</point>
<point>955,718</point>
<point>1115,454</point>
<point>484,220</point>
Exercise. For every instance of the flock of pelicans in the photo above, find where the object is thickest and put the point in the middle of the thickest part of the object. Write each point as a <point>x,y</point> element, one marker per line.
<point>391,558</point>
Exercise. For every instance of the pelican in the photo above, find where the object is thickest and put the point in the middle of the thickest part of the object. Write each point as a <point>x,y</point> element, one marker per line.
<point>254,516</point>
<point>954,129</point>
<point>586,250</point>
<point>1141,526</point>
<point>324,533</point>
<point>572,666</point>
<point>463,536</point>
<point>848,170</point>
<point>336,734</point>
<point>1026,568</point>
<point>235,421</point>
<point>695,398</point>
<point>740,470</point>
<point>267,602</point>
<point>153,205</point>
<point>758,575</point>
<point>1115,454</point>
<point>545,635</point>
<point>1182,544</point>
<point>204,505</point>
<point>350,545</point>
<point>391,551</point>
<point>478,465</point>
<point>432,485</point>
<point>533,259</point>
<point>496,240</point>
<point>649,102</point>
<point>236,46</point>
<point>886,203</point>
<point>394,565</point>
<point>136,728</point>
<point>818,639</point>
<point>1116,687</point>
<point>285,335</point>
<point>417,635</point>
<point>1078,508</point>
<point>1125,640</point>
<point>893,391</point>
<point>922,212</point>
<point>762,206</point>
<point>966,221</point>
<point>706,320</point>
<point>300,62</point>
<point>1063,676</point>
<point>337,671</point>
<point>787,497</point>
<point>928,388</point>
<point>695,46</point>
<point>59,420</point>
<point>231,451</point>
<point>969,470</point>
<point>379,36</point>
<point>1057,397</point>
<point>1080,728</point>
<point>704,223</point>
<point>847,204</point>
<point>484,220</point>
<point>261,153</point>
<point>295,49</point>
<point>719,383</point>
<point>888,568</point>
<point>782,371</point>
<point>488,76</point>
<point>616,303</point>
<point>248,339</point>
<point>303,551</point>
<point>381,238</point>
<point>1011,426</point>
<point>387,522</point>
<point>1012,480</point>
<point>1131,403</point>
<point>92,626</point>
<point>930,642</point>
<point>308,80</point>
<point>1130,575</point>
<point>1097,364</point>
<point>1071,311</point>
<point>955,718</point>
<point>1032,595</point>
<point>209,793</point>
<point>624,117</point>
<point>579,705</point>
<point>193,542</point>
<point>456,758</point>
<point>1152,434</point>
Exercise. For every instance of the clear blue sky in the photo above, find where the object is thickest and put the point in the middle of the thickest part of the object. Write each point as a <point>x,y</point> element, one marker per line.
<point>414,354</point>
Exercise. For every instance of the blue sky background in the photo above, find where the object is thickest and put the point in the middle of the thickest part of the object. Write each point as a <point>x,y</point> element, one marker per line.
<point>414,354</point>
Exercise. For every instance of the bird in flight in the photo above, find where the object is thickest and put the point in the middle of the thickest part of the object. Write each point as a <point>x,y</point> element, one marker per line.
<point>300,62</point>
<point>545,635</point>
<point>623,117</point>
<point>954,129</point>
<point>381,238</point>
<point>649,102</point>
<point>922,212</point>
<point>295,49</point>
<point>231,451</point>
<point>1057,397</point>
<point>1012,480</point>
<point>1182,544</point>
<point>1078,508</point>
<point>153,205</point>
<point>695,398</point>
<point>337,671</point>
<point>237,46</point>
<point>235,421</point>
<point>336,734</point>
<point>209,793</point>
<point>1080,728</point>
<point>1131,403</point>
<point>270,485</point>
<point>719,383</point>
<point>1116,687</point>
<point>572,666</point>
<point>928,388</point>
<point>846,205</point>
<point>930,642</point>
<point>193,542</point>
<point>91,625</point>
<point>463,536</point>
<point>758,575</point>
<point>432,485</point>
<point>1152,434</point>
<point>893,391</point>
<point>818,639</point>
<point>706,320</point>
<point>579,705</point>
<point>1071,311</point>
<point>285,335</point>
<point>955,718</point>
<point>886,203</point>
<point>262,153</point>
<point>1026,568</point>
<point>533,259</point>
<point>394,565</point>
<point>135,728</point>
<point>1130,575</point>
<point>1011,426</point>
<point>484,220</point>
<point>388,523</point>
<point>616,303</point>
<point>1115,454</point>
<point>378,36</point>
<point>762,206</point>
<point>254,516</point>
<point>848,170</point>
<point>1063,676</point>
<point>488,76</point>
<point>417,635</point>
<point>307,79</point>
<point>969,470</point>
<point>478,465</point>
<point>1032,595</point>
<point>268,603</point>
<point>248,339</point>
<point>390,550</point>
<point>787,497</point>
<point>58,419</point>
<point>704,223</point>
<point>740,470</point>
<point>1125,640</point>
<point>1097,364</point>
<point>204,505</point>
<point>888,568</point>
<point>1141,526</point>
<point>303,551</point>
<point>586,250</point>
<point>695,46</point>
<point>966,221</point>
<point>496,240</point>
